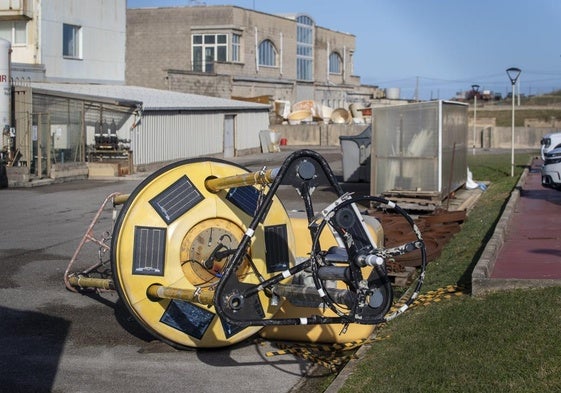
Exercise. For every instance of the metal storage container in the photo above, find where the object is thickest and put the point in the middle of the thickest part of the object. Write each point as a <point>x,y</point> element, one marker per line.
<point>419,150</point>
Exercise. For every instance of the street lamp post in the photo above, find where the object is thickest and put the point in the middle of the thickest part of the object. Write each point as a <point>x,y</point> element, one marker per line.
<point>475,89</point>
<point>513,74</point>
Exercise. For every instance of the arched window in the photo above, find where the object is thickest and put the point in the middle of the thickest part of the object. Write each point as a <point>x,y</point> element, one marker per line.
<point>335,63</point>
<point>267,54</point>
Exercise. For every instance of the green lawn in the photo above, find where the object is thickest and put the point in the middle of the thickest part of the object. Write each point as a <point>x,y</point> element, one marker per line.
<point>504,342</point>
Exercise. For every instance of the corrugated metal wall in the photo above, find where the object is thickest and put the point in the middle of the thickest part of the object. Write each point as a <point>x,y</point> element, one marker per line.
<point>248,125</point>
<point>172,135</point>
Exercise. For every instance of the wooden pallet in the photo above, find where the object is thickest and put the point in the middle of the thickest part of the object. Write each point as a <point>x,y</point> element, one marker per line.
<point>403,278</point>
<point>413,200</point>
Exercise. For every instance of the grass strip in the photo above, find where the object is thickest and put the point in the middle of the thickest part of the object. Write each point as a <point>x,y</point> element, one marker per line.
<point>507,341</point>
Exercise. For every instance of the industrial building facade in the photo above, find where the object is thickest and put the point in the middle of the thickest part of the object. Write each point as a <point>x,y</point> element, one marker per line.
<point>70,106</point>
<point>77,68</point>
<point>228,51</point>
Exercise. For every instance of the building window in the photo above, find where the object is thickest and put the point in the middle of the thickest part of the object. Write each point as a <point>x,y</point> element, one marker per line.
<point>14,31</point>
<point>267,54</point>
<point>207,49</point>
<point>72,41</point>
<point>304,48</point>
<point>335,63</point>
<point>236,48</point>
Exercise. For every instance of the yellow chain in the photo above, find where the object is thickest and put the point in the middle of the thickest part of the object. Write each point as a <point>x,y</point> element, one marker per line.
<point>333,356</point>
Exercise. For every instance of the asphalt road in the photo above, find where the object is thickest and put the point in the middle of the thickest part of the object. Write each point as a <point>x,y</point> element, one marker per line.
<point>54,340</point>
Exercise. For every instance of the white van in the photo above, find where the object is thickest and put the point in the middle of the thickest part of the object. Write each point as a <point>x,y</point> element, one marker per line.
<point>551,169</point>
<point>550,142</point>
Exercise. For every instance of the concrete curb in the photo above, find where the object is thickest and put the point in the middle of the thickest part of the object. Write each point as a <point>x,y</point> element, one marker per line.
<point>339,381</point>
<point>480,277</point>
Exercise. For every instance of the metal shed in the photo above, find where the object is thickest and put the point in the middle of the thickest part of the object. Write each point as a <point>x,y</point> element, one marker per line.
<point>164,125</point>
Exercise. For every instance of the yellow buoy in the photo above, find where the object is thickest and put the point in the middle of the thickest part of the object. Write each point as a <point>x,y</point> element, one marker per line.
<point>173,232</point>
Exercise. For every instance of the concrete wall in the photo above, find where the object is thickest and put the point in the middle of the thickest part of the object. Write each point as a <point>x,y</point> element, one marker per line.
<point>316,134</point>
<point>204,84</point>
<point>103,36</point>
<point>159,55</point>
<point>488,137</point>
<point>159,39</point>
<point>501,137</point>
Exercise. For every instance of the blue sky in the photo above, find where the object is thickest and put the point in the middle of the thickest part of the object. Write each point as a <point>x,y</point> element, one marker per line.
<point>444,45</point>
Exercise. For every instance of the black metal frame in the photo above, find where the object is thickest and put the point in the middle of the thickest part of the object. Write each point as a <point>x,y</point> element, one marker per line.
<point>236,302</point>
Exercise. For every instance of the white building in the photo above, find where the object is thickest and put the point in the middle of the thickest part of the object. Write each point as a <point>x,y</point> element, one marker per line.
<point>65,40</point>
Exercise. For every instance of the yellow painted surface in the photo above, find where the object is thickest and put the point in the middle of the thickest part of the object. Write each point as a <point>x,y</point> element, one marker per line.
<point>329,333</point>
<point>213,210</point>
